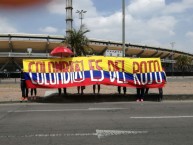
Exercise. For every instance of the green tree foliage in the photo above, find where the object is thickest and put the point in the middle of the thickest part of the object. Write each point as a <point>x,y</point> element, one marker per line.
<point>79,42</point>
<point>183,63</point>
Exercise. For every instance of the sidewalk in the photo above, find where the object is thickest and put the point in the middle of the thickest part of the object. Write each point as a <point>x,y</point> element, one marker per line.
<point>176,88</point>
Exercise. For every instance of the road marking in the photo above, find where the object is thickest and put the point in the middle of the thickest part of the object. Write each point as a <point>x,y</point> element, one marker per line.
<point>105,133</point>
<point>99,133</point>
<point>160,117</point>
<point>63,110</point>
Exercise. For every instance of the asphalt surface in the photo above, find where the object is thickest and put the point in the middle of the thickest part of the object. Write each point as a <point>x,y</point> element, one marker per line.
<point>109,123</point>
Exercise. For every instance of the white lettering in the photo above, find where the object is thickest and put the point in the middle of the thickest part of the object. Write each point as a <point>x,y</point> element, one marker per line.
<point>156,78</point>
<point>31,77</point>
<point>112,76</point>
<point>136,80</point>
<point>144,81</point>
<point>40,81</point>
<point>92,76</point>
<point>78,76</point>
<point>46,81</point>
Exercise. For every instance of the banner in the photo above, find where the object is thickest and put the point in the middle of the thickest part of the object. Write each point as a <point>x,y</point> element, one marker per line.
<point>83,71</point>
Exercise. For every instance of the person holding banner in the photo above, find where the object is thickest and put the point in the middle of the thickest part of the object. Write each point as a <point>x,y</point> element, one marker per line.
<point>94,87</point>
<point>23,86</point>
<point>124,90</point>
<point>59,91</point>
<point>140,94</point>
<point>33,93</point>
<point>81,88</point>
<point>65,92</point>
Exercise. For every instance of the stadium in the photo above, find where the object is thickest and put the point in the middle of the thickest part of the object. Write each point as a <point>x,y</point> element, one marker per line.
<point>16,47</point>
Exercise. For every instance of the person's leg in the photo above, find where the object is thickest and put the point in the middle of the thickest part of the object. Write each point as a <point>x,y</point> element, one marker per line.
<point>160,94</point>
<point>23,94</point>
<point>35,91</point>
<point>78,89</point>
<point>94,87</point>
<point>99,87</point>
<point>32,92</point>
<point>27,91</point>
<point>22,90</point>
<point>65,91</point>
<point>124,90</point>
<point>146,91</point>
<point>82,90</point>
<point>138,94</point>
<point>119,89</point>
<point>59,91</point>
<point>142,94</point>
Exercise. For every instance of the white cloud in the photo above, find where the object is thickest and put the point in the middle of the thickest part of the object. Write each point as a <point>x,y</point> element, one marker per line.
<point>164,24</point>
<point>178,7</point>
<point>189,34</point>
<point>5,27</point>
<point>138,29</point>
<point>49,29</point>
<point>143,8</point>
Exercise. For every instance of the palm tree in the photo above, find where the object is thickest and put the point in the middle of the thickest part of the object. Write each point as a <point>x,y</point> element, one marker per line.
<point>183,63</point>
<point>79,42</point>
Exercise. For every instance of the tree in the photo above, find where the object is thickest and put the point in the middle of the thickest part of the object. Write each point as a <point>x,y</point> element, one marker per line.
<point>183,63</point>
<point>79,42</point>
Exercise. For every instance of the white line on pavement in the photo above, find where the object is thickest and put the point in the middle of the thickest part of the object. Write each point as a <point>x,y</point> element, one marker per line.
<point>160,117</point>
<point>99,133</point>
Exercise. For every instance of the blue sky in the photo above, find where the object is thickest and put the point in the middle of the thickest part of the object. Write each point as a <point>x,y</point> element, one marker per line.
<point>148,22</point>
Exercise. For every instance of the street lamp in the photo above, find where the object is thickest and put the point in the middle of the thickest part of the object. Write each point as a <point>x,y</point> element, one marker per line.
<point>172,44</point>
<point>81,15</point>
<point>123,28</point>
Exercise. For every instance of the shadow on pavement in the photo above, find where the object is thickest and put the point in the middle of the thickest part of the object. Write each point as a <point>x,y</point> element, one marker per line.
<point>87,98</point>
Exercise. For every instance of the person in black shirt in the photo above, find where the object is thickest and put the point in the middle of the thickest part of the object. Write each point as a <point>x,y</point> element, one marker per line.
<point>24,88</point>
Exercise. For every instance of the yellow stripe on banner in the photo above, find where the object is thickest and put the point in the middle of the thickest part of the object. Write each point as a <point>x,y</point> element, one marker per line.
<point>75,64</point>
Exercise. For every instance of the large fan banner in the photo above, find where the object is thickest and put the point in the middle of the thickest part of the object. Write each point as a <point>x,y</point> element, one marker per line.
<point>83,71</point>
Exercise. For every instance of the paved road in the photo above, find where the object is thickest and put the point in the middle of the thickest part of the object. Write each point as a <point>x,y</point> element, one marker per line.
<point>147,123</point>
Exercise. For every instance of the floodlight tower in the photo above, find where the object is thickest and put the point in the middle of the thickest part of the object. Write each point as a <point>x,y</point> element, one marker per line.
<point>81,16</point>
<point>69,18</point>
<point>123,28</point>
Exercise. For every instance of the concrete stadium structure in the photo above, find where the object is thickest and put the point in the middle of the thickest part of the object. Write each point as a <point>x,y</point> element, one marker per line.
<point>15,47</point>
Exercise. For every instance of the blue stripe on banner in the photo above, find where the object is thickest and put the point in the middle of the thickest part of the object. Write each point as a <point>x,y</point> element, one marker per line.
<point>94,74</point>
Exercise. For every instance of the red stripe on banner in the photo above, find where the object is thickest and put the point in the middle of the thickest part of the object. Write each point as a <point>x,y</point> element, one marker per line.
<point>88,81</point>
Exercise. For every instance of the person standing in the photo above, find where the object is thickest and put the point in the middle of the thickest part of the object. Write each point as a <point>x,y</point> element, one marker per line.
<point>140,94</point>
<point>81,88</point>
<point>65,91</point>
<point>23,86</point>
<point>33,93</point>
<point>94,88</point>
<point>119,90</point>
<point>59,91</point>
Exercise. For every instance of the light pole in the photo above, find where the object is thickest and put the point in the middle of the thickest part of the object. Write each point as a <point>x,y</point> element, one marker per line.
<point>81,16</point>
<point>123,28</point>
<point>172,44</point>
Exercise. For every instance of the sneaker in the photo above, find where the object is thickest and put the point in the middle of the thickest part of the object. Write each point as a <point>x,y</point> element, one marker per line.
<point>26,99</point>
<point>141,100</point>
<point>22,99</point>
<point>137,100</point>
